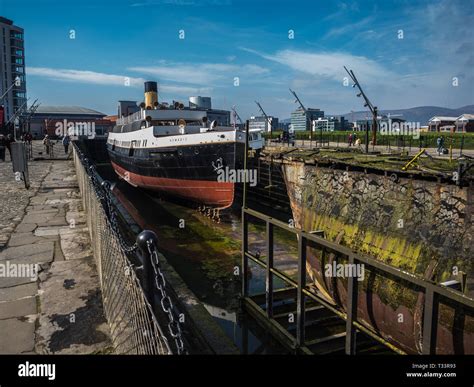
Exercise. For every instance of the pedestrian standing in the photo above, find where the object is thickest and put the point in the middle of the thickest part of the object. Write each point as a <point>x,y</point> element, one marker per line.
<point>350,139</point>
<point>66,142</point>
<point>8,143</point>
<point>2,147</point>
<point>28,138</point>
<point>440,144</point>
<point>47,144</point>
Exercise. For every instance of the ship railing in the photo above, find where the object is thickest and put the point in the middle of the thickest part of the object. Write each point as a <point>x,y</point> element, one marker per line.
<point>131,118</point>
<point>127,272</point>
<point>434,295</point>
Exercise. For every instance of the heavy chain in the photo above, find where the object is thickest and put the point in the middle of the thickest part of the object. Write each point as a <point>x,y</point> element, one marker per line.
<point>174,326</point>
<point>104,193</point>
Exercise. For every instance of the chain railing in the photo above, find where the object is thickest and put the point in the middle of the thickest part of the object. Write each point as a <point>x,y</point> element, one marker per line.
<point>128,302</point>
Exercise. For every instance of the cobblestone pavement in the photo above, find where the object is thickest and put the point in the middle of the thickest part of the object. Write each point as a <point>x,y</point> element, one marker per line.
<point>14,197</point>
<point>50,299</point>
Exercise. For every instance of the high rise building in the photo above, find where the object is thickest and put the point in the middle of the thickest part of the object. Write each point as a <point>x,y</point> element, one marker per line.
<point>301,120</point>
<point>261,123</point>
<point>12,67</point>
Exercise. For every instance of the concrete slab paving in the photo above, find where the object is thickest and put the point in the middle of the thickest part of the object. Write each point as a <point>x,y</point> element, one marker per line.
<point>26,227</point>
<point>18,308</point>
<point>18,292</point>
<point>72,319</point>
<point>27,238</point>
<point>39,232</point>
<point>75,244</point>
<point>14,281</point>
<point>18,336</point>
<point>36,253</point>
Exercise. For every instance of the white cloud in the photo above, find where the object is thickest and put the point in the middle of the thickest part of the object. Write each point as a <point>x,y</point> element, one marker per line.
<point>97,78</point>
<point>200,73</point>
<point>348,28</point>
<point>82,76</point>
<point>328,65</point>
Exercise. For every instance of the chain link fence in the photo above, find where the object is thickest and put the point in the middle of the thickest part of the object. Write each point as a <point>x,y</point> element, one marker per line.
<point>133,325</point>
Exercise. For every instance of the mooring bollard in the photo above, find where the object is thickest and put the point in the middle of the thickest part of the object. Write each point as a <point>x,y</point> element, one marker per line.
<point>143,239</point>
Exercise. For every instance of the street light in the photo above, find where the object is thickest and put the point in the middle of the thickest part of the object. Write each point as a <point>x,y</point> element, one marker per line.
<point>372,108</point>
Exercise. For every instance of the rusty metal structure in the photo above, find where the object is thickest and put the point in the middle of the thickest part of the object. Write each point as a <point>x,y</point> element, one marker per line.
<point>262,308</point>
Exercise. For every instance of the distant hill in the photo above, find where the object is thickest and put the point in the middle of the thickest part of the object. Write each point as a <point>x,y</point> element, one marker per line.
<point>417,114</point>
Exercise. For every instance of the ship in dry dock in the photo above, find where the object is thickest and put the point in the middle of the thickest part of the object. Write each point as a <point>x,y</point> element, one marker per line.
<point>178,150</point>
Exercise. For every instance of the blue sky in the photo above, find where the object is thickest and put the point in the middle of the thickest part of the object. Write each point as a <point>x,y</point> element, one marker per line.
<point>224,39</point>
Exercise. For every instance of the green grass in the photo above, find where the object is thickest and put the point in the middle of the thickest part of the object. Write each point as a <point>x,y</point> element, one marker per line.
<point>426,140</point>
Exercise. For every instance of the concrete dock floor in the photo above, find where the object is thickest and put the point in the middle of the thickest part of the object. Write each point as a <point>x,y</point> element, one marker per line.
<point>50,298</point>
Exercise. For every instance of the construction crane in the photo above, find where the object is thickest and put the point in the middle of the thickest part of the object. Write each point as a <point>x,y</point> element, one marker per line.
<point>266,118</point>
<point>372,108</point>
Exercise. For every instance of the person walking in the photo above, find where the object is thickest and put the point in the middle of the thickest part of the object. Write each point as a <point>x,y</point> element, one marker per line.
<point>350,139</point>
<point>66,142</point>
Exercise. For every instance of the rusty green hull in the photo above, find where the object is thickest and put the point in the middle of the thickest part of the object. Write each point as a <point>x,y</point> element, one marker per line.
<point>423,227</point>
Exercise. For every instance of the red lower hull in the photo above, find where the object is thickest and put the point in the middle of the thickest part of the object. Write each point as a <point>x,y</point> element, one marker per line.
<point>210,193</point>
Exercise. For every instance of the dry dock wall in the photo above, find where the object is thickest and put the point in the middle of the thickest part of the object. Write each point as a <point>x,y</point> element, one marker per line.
<point>422,227</point>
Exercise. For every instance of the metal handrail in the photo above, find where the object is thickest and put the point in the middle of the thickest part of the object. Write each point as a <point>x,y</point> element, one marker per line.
<point>432,290</point>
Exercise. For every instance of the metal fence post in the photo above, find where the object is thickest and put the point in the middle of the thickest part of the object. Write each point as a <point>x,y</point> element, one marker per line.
<point>269,275</point>
<point>148,276</point>
<point>352,299</point>
<point>245,263</point>
<point>300,307</point>
<point>430,322</point>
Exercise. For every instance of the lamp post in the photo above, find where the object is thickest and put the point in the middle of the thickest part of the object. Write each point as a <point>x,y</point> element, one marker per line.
<point>16,83</point>
<point>305,112</point>
<point>373,110</point>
